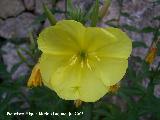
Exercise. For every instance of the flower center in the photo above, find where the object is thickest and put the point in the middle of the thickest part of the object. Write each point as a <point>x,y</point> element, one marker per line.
<point>82,58</point>
<point>83,55</point>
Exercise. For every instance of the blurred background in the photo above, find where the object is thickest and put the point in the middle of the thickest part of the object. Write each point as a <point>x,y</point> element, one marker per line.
<point>138,97</point>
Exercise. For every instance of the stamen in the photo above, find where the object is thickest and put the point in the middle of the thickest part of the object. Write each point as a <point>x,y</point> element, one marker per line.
<point>98,59</point>
<point>73,60</point>
<point>83,59</point>
<point>88,65</point>
<point>82,64</point>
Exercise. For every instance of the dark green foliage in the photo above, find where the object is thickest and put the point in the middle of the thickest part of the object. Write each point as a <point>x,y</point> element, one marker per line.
<point>136,44</point>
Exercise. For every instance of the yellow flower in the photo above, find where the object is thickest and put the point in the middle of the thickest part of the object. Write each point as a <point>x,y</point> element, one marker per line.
<point>35,78</point>
<point>81,63</point>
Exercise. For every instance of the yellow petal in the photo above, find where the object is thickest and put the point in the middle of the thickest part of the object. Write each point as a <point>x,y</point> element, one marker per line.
<point>74,30</point>
<point>66,81</point>
<point>49,64</point>
<point>97,38</point>
<point>63,38</point>
<point>74,82</point>
<point>92,88</point>
<point>111,70</point>
<point>121,48</point>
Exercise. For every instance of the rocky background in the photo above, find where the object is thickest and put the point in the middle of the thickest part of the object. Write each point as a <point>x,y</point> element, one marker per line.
<point>19,17</point>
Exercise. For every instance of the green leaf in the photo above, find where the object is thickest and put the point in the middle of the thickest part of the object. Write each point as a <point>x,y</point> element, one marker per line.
<point>109,111</point>
<point>75,13</point>
<point>87,109</point>
<point>158,47</point>
<point>112,22</point>
<point>70,6</point>
<point>156,1</point>
<point>28,52</point>
<point>131,73</point>
<point>104,9</point>
<point>135,90</point>
<point>157,18</point>
<point>156,79</point>
<point>130,28</point>
<point>134,29</point>
<point>15,67</point>
<point>148,30</point>
<point>49,15</point>
<point>3,72</point>
<point>132,115</point>
<point>32,41</point>
<point>24,59</point>
<point>125,14</point>
<point>94,14</point>
<point>145,69</point>
<point>4,103</point>
<point>39,19</point>
<point>139,44</point>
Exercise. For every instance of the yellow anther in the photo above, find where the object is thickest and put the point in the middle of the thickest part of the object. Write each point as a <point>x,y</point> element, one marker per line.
<point>98,59</point>
<point>82,64</point>
<point>73,60</point>
<point>88,65</point>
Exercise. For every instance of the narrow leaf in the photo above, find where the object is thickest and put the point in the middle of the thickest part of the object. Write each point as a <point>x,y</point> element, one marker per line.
<point>139,44</point>
<point>69,5</point>
<point>148,30</point>
<point>104,9</point>
<point>94,14</point>
<point>130,28</point>
<point>49,15</point>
